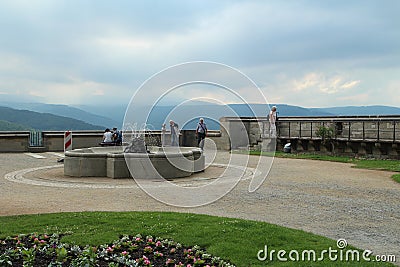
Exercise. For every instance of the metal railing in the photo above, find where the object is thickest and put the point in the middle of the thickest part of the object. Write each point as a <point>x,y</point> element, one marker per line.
<point>385,129</point>
<point>36,139</point>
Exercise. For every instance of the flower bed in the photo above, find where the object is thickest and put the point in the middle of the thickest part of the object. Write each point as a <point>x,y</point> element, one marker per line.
<point>47,250</point>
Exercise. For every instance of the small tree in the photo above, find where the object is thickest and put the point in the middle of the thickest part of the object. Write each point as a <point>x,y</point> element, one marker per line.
<point>327,135</point>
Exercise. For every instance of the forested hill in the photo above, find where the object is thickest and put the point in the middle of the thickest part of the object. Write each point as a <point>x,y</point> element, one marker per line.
<point>41,121</point>
<point>9,126</point>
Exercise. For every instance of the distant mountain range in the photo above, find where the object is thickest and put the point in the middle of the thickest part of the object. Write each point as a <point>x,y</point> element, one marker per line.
<point>190,114</point>
<point>65,111</point>
<point>14,119</point>
<point>360,110</point>
<point>26,116</point>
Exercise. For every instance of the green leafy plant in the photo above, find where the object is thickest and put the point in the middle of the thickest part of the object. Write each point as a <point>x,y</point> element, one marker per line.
<point>38,250</point>
<point>5,260</point>
<point>28,255</point>
<point>327,135</point>
<point>62,254</point>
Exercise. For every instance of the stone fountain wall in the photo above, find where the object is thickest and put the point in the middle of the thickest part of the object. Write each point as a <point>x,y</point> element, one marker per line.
<point>111,162</point>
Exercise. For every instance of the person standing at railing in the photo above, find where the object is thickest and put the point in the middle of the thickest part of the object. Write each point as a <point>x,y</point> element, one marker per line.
<point>201,132</point>
<point>174,133</point>
<point>163,134</point>
<point>272,122</point>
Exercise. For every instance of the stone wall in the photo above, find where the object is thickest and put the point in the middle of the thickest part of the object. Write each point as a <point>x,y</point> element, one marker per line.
<point>54,140</point>
<point>188,138</point>
<point>375,136</point>
<point>368,136</point>
<point>14,141</point>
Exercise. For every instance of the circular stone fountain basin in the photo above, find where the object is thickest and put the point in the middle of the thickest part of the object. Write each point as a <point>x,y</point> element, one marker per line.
<point>165,162</point>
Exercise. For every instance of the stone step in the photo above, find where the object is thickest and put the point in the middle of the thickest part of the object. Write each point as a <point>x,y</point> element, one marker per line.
<point>37,149</point>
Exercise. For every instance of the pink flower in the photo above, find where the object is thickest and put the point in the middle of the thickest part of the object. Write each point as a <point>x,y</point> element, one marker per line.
<point>150,240</point>
<point>189,265</point>
<point>158,244</point>
<point>158,254</point>
<point>148,249</point>
<point>137,239</point>
<point>110,249</point>
<point>124,252</point>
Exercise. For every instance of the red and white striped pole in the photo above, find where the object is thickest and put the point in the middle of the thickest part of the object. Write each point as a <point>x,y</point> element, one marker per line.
<point>67,140</point>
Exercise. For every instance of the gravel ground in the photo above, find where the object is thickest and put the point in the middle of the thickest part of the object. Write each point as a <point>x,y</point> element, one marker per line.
<point>325,198</point>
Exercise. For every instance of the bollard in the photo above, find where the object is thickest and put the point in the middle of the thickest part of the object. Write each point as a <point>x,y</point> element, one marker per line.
<point>67,141</point>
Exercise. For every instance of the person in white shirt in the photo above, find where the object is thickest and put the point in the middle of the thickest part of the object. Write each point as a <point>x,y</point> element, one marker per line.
<point>107,136</point>
<point>272,122</point>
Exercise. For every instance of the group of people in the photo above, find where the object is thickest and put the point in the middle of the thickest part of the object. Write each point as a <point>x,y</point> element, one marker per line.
<point>201,132</point>
<point>115,136</point>
<point>112,137</point>
<point>201,129</point>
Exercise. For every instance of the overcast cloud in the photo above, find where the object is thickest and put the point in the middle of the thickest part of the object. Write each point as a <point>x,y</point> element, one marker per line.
<point>307,53</point>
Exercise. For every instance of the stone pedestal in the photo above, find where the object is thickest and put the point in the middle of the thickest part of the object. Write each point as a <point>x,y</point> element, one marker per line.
<point>268,145</point>
<point>348,149</point>
<point>310,145</point>
<point>362,149</point>
<point>394,151</point>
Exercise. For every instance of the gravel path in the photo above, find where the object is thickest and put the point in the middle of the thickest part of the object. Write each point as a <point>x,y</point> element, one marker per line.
<point>326,198</point>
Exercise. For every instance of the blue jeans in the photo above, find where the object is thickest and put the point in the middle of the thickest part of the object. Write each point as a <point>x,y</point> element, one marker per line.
<point>174,140</point>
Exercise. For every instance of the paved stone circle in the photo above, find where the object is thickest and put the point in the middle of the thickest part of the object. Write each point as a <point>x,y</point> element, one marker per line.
<point>326,198</point>
<point>53,176</point>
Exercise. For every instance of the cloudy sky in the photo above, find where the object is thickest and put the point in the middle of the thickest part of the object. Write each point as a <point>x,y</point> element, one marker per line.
<point>306,53</point>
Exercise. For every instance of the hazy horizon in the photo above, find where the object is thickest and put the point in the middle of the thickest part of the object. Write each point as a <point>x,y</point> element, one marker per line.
<point>3,102</point>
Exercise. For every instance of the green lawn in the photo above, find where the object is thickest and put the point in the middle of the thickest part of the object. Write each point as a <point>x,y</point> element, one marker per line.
<point>396,177</point>
<point>232,239</point>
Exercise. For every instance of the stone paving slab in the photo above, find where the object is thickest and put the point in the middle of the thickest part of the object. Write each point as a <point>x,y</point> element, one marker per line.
<point>326,198</point>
